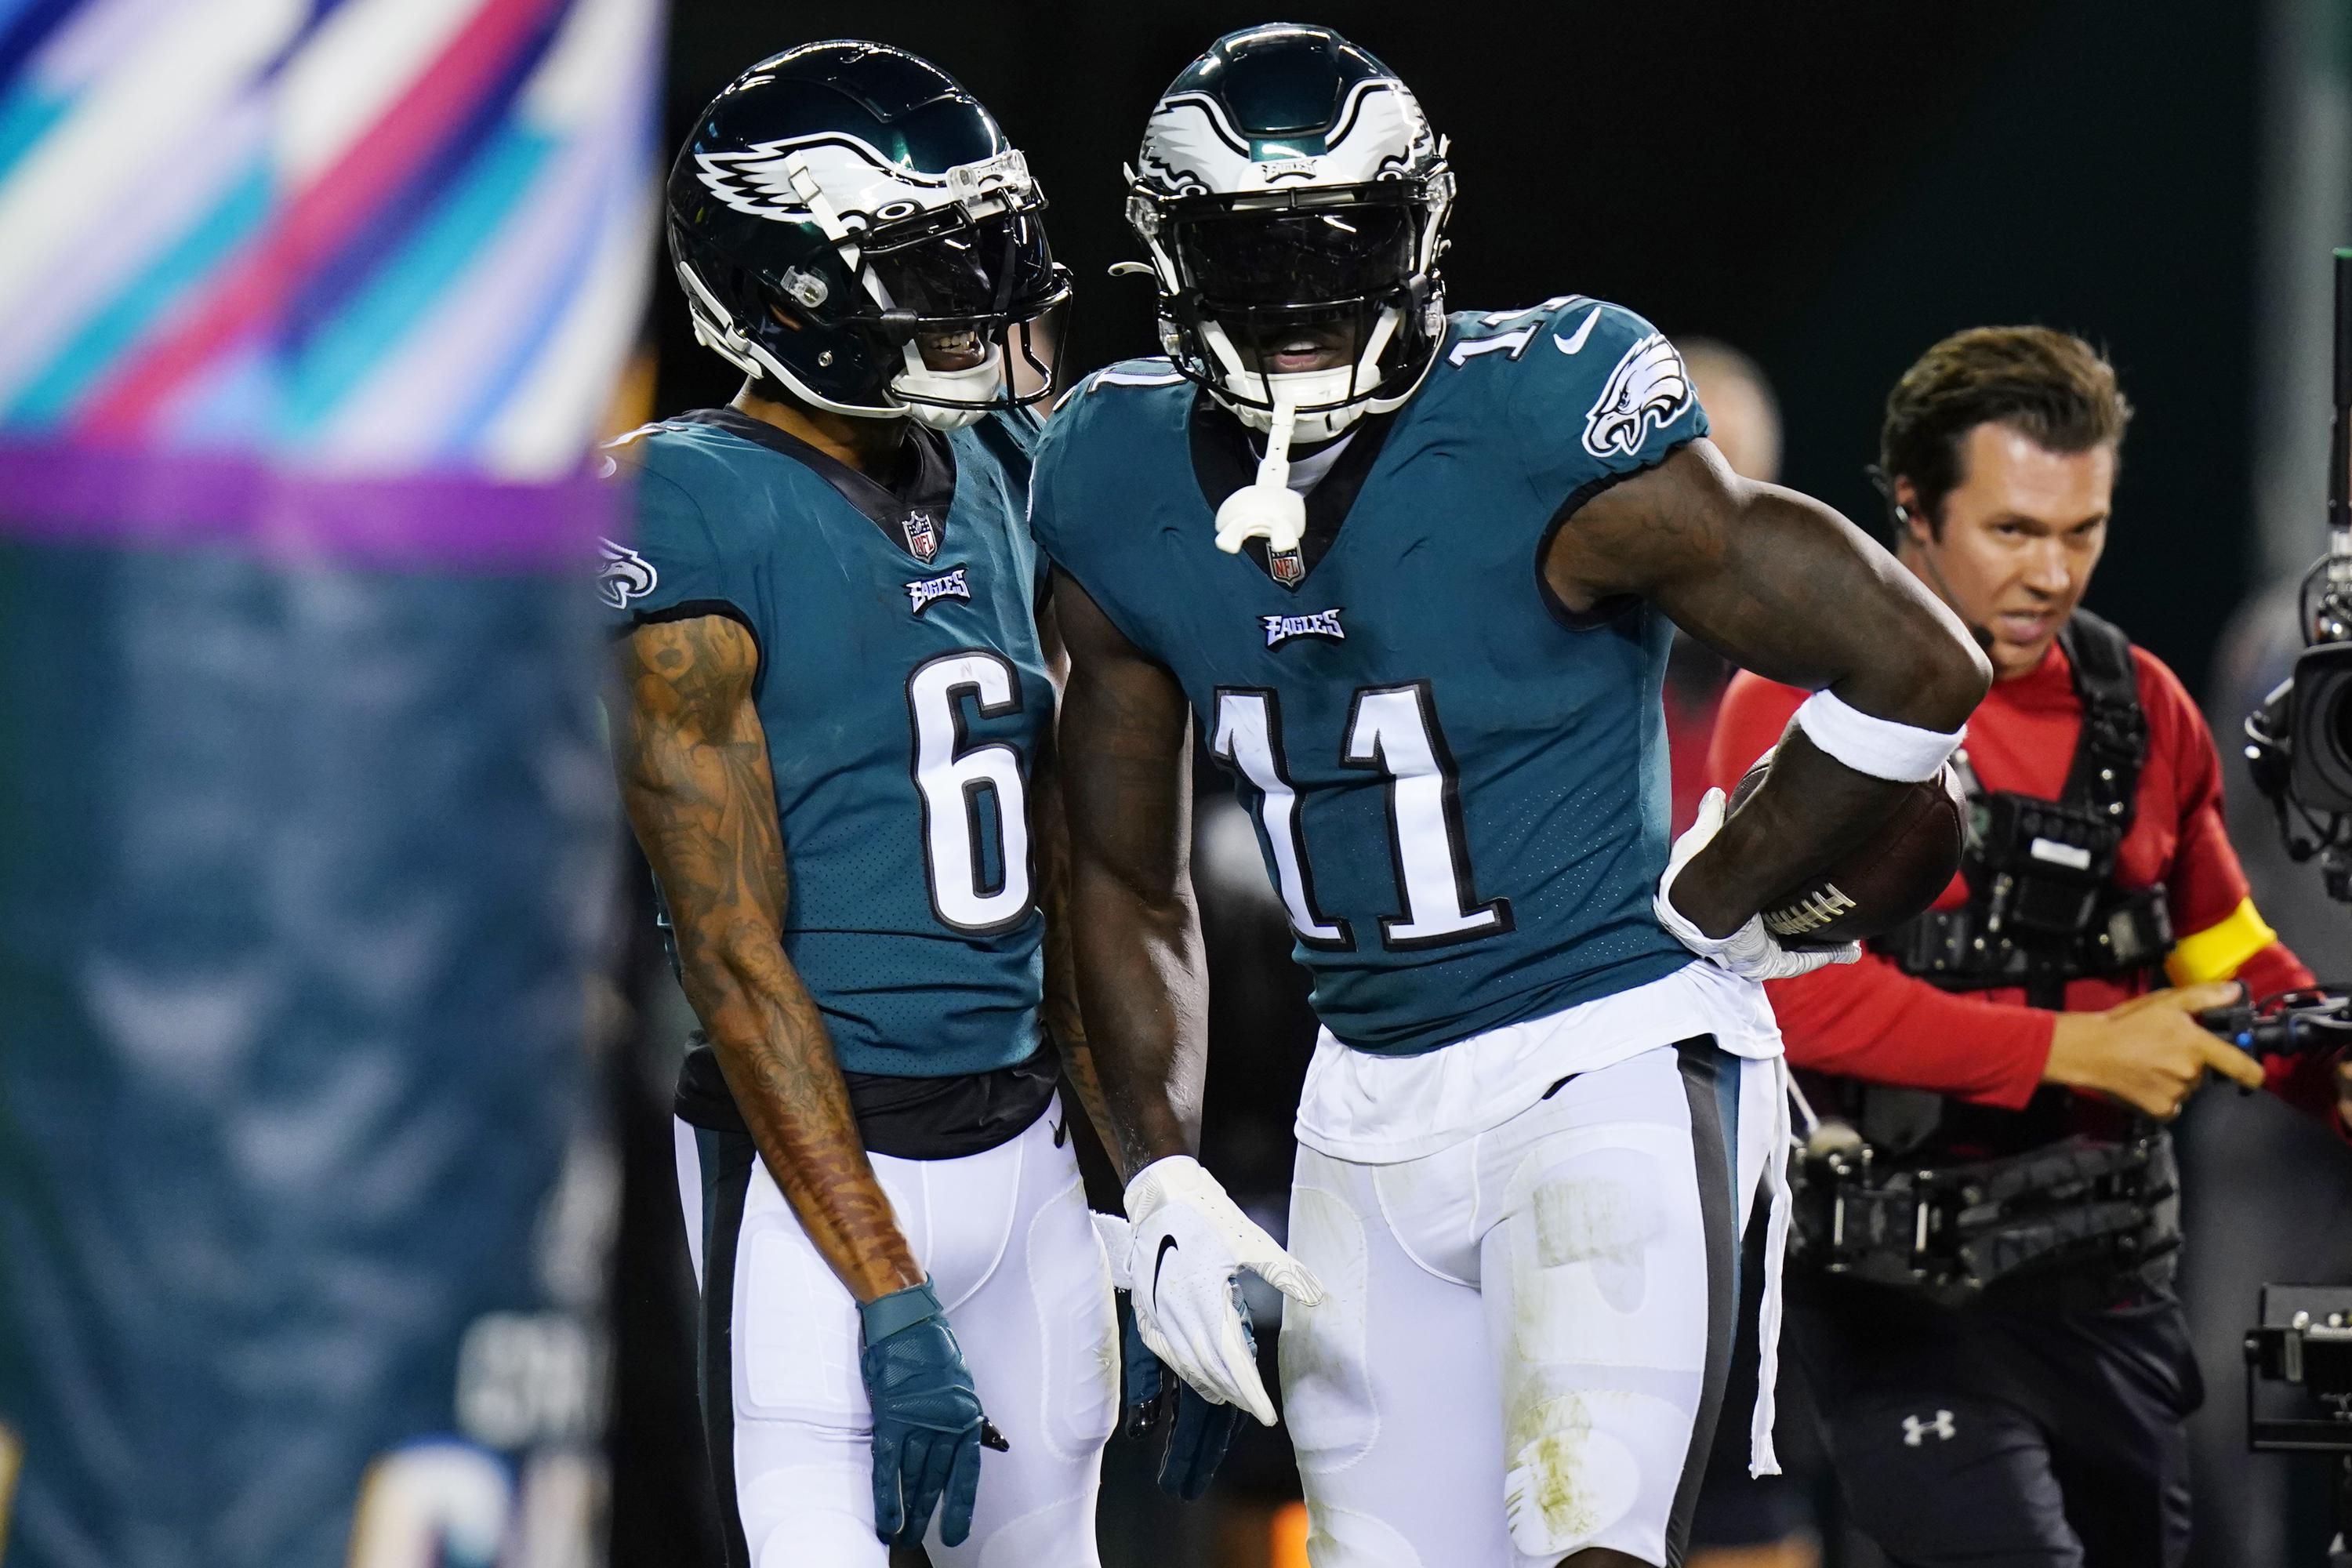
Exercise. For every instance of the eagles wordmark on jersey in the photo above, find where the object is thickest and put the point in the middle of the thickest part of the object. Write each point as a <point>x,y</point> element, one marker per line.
<point>1460,789</point>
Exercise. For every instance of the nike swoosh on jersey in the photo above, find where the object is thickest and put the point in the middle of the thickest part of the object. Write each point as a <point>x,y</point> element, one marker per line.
<point>1575,344</point>
<point>1167,1245</point>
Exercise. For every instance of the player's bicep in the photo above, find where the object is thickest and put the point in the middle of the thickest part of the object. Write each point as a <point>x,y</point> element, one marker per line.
<point>692,763</point>
<point>1125,766</point>
<point>1772,580</point>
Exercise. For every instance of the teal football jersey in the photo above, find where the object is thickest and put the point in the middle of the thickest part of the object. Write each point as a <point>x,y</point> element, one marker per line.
<point>1460,790</point>
<point>903,693</point>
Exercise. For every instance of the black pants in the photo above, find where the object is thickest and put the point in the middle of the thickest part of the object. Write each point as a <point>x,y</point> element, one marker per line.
<point>2002,1439</point>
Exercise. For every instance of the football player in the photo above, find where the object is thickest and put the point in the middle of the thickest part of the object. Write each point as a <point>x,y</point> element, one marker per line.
<point>1413,573</point>
<point>832,738</point>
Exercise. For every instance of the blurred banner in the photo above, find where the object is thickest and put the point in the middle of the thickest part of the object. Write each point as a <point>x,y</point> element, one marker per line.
<point>309,310</point>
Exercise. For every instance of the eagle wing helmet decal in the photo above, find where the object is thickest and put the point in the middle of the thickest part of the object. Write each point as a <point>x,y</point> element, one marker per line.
<point>760,180</point>
<point>1189,148</point>
<point>1648,390</point>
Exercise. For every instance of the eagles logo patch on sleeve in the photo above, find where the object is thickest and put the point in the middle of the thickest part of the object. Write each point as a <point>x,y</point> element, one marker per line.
<point>1648,391</point>
<point>628,576</point>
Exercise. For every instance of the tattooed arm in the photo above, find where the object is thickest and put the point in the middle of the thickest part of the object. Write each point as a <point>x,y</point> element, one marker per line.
<point>1049,831</point>
<point>693,767</point>
<point>1127,787</point>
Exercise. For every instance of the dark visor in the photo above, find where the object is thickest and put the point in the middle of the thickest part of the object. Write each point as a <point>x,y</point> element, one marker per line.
<point>1297,257</point>
<point>965,271</point>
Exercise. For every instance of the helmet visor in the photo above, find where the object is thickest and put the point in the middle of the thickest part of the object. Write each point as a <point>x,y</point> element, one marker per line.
<point>961,273</point>
<point>1299,257</point>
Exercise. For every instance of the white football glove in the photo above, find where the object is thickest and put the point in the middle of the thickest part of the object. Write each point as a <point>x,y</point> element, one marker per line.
<point>1188,1243</point>
<point>1118,1238</point>
<point>1751,952</point>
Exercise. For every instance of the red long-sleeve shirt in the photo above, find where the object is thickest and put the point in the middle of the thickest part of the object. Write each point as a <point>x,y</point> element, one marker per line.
<point>1871,1021</point>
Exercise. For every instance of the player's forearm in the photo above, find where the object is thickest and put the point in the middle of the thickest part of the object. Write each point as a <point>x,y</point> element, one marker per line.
<point>778,1061</point>
<point>1827,609</point>
<point>1064,1018</point>
<point>1810,809</point>
<point>1143,984</point>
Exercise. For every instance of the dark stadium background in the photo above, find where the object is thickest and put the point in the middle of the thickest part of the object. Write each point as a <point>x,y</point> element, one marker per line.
<point>1828,186</point>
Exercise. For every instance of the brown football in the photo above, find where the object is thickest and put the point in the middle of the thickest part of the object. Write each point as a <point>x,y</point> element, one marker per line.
<point>1883,881</point>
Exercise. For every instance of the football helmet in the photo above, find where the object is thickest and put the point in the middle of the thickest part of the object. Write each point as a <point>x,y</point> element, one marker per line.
<point>842,204</point>
<point>1288,185</point>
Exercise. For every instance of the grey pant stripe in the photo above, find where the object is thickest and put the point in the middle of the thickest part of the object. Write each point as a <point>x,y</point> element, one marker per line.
<point>1711,1084</point>
<point>726,1161</point>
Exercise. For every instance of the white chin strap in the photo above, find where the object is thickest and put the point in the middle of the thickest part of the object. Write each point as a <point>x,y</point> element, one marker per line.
<point>1323,394</point>
<point>1268,507</point>
<point>967,394</point>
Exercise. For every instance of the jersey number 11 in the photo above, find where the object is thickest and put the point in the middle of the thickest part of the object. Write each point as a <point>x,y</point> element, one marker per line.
<point>1393,731</point>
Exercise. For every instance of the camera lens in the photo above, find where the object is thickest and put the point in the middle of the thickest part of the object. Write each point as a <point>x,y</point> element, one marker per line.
<point>2323,728</point>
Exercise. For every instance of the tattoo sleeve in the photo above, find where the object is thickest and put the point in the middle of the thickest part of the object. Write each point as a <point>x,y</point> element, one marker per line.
<point>693,768</point>
<point>1126,786</point>
<point>1783,586</point>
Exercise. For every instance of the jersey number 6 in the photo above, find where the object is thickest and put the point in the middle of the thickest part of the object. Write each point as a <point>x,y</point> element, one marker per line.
<point>1393,731</point>
<point>955,782</point>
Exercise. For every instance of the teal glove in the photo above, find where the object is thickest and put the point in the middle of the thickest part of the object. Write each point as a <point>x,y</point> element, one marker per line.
<point>1151,1395</point>
<point>928,1427</point>
<point>1198,1430</point>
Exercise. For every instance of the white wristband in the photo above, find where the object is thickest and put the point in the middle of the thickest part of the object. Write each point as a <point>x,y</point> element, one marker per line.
<point>1900,753</point>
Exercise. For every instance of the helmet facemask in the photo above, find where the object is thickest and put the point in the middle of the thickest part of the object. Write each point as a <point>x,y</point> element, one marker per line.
<point>1245,278</point>
<point>963,287</point>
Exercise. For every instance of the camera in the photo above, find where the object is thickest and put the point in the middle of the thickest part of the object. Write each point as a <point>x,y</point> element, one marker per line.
<point>2319,722</point>
<point>2302,1346</point>
<point>2299,741</point>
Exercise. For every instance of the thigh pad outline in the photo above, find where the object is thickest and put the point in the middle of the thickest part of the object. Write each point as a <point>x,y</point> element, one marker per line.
<point>1326,1392</point>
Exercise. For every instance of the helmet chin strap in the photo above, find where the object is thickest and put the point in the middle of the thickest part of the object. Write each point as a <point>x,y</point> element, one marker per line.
<point>1331,395</point>
<point>970,394</point>
<point>1267,508</point>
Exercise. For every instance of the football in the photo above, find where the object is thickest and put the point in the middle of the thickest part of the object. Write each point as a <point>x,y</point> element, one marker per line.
<point>1894,874</point>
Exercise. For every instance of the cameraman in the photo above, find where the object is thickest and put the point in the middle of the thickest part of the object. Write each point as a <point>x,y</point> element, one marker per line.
<point>2041,1423</point>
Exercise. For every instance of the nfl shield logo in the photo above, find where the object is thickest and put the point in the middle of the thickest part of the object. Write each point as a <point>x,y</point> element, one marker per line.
<point>921,537</point>
<point>1288,566</point>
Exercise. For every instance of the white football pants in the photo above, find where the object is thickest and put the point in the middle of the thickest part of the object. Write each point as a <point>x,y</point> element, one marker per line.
<point>1006,1236</point>
<point>1524,1338</point>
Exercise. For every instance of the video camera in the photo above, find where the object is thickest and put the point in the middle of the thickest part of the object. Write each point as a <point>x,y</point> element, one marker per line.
<point>2300,1343</point>
<point>1950,1233</point>
<point>2299,741</point>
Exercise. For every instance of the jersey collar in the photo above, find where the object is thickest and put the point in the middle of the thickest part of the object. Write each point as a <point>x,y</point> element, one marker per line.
<point>1222,462</point>
<point>913,517</point>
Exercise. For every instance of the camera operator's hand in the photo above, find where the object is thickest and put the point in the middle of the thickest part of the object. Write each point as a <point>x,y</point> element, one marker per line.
<point>2343,1091</point>
<point>2151,1052</point>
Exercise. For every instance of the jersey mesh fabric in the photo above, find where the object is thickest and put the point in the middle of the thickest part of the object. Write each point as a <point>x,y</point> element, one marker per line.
<point>1481,785</point>
<point>727,525</point>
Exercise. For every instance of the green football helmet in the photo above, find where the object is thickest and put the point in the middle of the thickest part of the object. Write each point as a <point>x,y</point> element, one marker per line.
<point>1289,188</point>
<point>842,204</point>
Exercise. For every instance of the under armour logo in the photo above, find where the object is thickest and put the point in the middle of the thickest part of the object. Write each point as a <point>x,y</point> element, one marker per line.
<point>1915,1431</point>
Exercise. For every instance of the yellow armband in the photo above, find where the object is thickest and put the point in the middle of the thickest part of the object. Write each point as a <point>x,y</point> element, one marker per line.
<point>2215,953</point>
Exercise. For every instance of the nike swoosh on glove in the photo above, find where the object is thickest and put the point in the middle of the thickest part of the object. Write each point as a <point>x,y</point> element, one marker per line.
<point>1751,952</point>
<point>1199,1428</point>
<point>927,1417</point>
<point>1190,1245</point>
